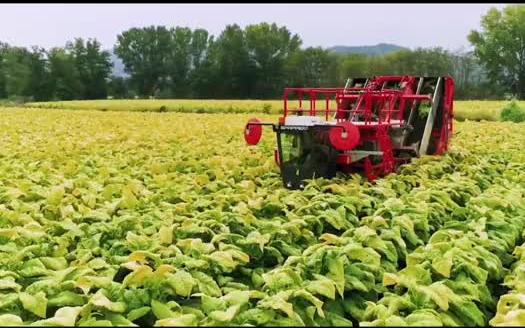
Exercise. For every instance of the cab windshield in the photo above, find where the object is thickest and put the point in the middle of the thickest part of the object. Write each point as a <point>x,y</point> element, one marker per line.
<point>292,147</point>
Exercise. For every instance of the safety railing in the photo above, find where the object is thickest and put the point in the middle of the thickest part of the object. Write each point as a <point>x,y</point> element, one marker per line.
<point>310,97</point>
<point>354,104</point>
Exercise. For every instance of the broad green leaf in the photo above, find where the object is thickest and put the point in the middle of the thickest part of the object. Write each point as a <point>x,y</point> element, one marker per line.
<point>225,316</point>
<point>33,268</point>
<point>97,263</point>
<point>138,277</point>
<point>335,265</point>
<point>67,298</point>
<point>65,317</point>
<point>443,266</point>
<point>119,320</point>
<point>312,299</point>
<point>424,318</point>
<point>390,279</point>
<point>7,320</point>
<point>36,304</point>
<point>191,245</point>
<point>160,310</point>
<point>281,278</point>
<point>93,322</point>
<point>129,200</point>
<point>256,316</point>
<point>439,293</point>
<point>514,318</point>
<point>279,302</point>
<point>9,233</point>
<point>166,235</point>
<point>100,300</point>
<point>182,282</point>
<point>255,237</point>
<point>206,284</point>
<point>54,263</point>
<point>138,313</point>
<point>210,304</point>
<point>224,260</point>
<point>9,283</point>
<point>55,195</point>
<point>321,286</point>
<point>184,320</point>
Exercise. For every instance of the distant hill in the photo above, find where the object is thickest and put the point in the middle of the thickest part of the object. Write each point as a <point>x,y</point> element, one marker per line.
<point>377,50</point>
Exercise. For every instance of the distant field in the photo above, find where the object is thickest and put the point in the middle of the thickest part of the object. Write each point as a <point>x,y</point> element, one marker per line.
<point>472,110</point>
<point>171,105</point>
<point>477,110</point>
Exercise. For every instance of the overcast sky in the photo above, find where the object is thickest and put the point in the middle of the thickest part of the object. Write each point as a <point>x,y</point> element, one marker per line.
<point>409,25</point>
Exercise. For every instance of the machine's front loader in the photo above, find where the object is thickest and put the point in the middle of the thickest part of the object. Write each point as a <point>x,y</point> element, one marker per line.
<point>306,151</point>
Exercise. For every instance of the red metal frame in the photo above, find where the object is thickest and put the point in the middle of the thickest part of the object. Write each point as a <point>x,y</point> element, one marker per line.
<point>365,99</point>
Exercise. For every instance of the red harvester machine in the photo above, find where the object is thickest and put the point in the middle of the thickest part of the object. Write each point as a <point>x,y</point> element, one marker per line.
<point>378,124</point>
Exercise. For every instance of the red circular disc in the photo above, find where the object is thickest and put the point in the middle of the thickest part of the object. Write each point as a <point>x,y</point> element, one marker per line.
<point>253,132</point>
<point>345,136</point>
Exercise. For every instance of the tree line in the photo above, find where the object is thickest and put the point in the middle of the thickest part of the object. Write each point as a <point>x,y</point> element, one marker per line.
<point>255,62</point>
<point>80,70</point>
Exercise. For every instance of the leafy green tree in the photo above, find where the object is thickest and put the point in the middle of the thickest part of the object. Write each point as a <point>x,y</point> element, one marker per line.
<point>17,71</point>
<point>356,65</point>
<point>312,67</point>
<point>433,61</point>
<point>471,80</point>
<point>39,87</point>
<point>500,46</point>
<point>4,47</point>
<point>332,74</point>
<point>145,53</point>
<point>64,80</point>
<point>401,62</point>
<point>202,54</point>
<point>423,62</point>
<point>269,46</point>
<point>295,76</point>
<point>180,61</point>
<point>230,68</point>
<point>92,67</point>
<point>118,87</point>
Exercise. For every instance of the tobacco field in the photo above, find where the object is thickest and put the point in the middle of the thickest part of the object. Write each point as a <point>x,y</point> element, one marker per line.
<point>168,219</point>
